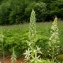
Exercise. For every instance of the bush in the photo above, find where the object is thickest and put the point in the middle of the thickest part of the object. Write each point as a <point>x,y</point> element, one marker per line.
<point>15,39</point>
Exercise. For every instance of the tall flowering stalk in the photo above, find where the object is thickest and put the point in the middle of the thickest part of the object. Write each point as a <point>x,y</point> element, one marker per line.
<point>13,57</point>
<point>54,39</point>
<point>2,42</point>
<point>32,28</point>
<point>32,50</point>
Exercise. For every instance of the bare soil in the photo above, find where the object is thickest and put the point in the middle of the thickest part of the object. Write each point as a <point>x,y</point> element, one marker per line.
<point>8,60</point>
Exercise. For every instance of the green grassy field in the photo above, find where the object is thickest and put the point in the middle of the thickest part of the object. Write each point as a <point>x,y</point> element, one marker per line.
<point>41,25</point>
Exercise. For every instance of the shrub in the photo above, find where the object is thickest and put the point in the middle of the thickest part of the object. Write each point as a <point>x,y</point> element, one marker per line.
<point>16,39</point>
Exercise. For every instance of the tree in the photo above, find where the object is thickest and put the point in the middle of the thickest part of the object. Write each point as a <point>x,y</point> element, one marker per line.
<point>4,13</point>
<point>57,8</point>
<point>28,10</point>
<point>41,11</point>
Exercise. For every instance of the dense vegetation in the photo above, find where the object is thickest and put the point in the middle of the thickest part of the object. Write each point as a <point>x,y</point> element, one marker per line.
<point>18,11</point>
<point>16,37</point>
<point>32,42</point>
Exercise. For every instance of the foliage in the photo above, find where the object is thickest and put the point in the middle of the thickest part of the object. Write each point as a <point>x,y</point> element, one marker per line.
<point>54,42</point>
<point>56,8</point>
<point>13,57</point>
<point>32,28</point>
<point>2,44</point>
<point>4,13</point>
<point>18,11</point>
<point>16,37</point>
<point>41,11</point>
<point>31,54</point>
<point>42,42</point>
<point>32,49</point>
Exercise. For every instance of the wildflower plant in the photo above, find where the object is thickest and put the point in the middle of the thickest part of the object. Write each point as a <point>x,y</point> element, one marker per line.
<point>13,57</point>
<point>2,42</point>
<point>31,53</point>
<point>32,28</point>
<point>54,39</point>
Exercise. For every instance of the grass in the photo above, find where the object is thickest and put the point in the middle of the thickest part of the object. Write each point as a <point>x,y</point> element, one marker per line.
<point>41,25</point>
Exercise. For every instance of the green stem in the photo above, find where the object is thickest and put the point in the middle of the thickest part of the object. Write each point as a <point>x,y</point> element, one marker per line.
<point>3,50</point>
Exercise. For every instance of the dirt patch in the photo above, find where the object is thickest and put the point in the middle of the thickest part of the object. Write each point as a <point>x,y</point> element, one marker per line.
<point>8,60</point>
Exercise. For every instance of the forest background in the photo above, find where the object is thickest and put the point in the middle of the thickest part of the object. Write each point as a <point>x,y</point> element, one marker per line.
<point>18,11</point>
